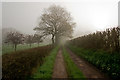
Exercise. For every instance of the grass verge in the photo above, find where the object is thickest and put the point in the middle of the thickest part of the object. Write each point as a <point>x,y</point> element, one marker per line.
<point>72,69</point>
<point>107,63</point>
<point>46,70</point>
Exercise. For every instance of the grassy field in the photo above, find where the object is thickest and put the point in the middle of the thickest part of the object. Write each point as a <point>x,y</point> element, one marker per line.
<point>46,70</point>
<point>106,62</point>
<point>22,64</point>
<point>72,69</point>
<point>9,48</point>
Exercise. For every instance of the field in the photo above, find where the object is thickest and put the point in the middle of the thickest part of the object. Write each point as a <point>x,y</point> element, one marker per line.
<point>9,48</point>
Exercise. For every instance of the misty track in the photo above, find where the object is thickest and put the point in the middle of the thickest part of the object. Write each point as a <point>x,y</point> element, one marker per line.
<point>89,71</point>
<point>59,70</point>
<point>66,41</point>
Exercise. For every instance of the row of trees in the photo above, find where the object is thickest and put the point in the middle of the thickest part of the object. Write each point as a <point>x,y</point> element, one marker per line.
<point>108,40</point>
<point>16,38</point>
<point>55,22</point>
<point>36,38</point>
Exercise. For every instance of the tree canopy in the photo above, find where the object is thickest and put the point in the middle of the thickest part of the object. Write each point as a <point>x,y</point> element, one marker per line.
<point>15,38</point>
<point>57,22</point>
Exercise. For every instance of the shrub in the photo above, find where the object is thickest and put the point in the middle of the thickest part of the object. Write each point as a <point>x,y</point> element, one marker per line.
<point>20,64</point>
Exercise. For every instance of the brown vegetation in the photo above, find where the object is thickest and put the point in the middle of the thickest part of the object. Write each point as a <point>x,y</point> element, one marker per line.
<point>20,64</point>
<point>107,40</point>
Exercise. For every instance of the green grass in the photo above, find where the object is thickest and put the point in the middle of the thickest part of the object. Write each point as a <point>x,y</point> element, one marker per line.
<point>46,70</point>
<point>9,48</point>
<point>72,69</point>
<point>106,62</point>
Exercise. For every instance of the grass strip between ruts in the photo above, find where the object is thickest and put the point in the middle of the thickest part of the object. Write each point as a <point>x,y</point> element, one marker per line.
<point>73,71</point>
<point>46,70</point>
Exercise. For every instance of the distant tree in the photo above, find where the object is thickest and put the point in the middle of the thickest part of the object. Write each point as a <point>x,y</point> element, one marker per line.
<point>29,39</point>
<point>38,38</point>
<point>15,38</point>
<point>57,22</point>
<point>5,31</point>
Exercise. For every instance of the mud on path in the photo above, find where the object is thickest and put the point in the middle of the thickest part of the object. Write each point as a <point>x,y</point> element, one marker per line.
<point>88,70</point>
<point>59,70</point>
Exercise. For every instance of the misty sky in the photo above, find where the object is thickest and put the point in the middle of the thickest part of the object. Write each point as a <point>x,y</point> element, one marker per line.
<point>119,13</point>
<point>89,16</point>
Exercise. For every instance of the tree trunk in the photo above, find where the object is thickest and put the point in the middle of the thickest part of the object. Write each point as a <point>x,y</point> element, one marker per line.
<point>53,39</point>
<point>38,44</point>
<point>56,39</point>
<point>15,47</point>
<point>30,45</point>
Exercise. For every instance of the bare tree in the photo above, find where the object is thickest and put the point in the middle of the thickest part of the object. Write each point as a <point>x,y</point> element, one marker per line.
<point>29,39</point>
<point>5,31</point>
<point>38,38</point>
<point>57,22</point>
<point>15,38</point>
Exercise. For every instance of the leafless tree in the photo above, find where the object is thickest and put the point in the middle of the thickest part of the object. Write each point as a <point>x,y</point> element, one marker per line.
<point>29,39</point>
<point>5,31</point>
<point>15,38</point>
<point>38,38</point>
<point>57,22</point>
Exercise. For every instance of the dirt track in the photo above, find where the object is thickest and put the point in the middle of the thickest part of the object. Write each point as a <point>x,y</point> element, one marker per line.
<point>59,70</point>
<point>88,70</point>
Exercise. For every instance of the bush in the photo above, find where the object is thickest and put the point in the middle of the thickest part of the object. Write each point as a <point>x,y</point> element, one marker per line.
<point>20,64</point>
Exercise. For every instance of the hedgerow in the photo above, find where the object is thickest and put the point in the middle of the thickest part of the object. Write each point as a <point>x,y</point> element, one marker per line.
<point>20,64</point>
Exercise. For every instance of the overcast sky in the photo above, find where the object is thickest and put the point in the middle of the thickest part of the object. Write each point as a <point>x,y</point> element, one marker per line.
<point>119,13</point>
<point>89,16</point>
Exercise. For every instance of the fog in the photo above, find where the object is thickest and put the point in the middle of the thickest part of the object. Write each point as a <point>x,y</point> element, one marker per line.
<point>89,16</point>
<point>0,25</point>
<point>119,13</point>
